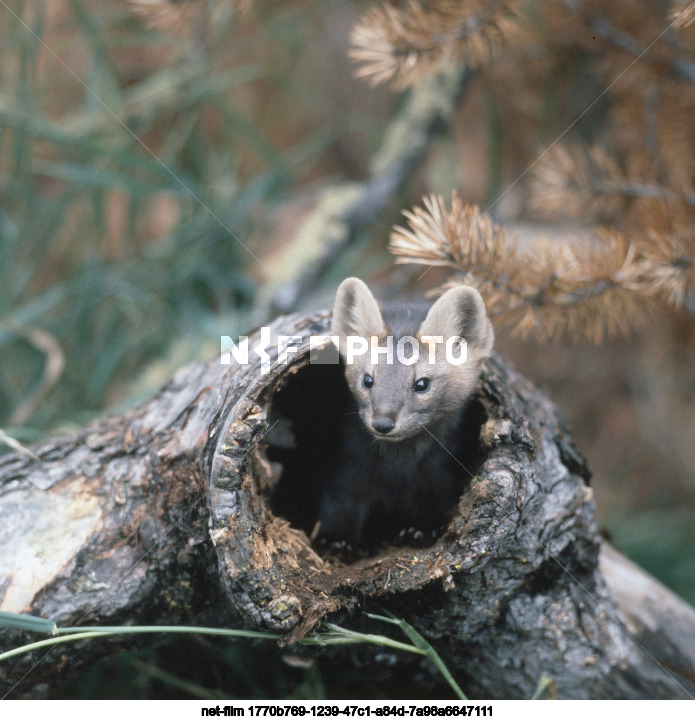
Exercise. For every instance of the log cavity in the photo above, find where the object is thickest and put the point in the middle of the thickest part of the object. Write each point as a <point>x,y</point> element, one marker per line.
<point>305,411</point>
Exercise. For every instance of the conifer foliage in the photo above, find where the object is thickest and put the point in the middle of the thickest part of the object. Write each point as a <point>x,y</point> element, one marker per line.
<point>634,179</point>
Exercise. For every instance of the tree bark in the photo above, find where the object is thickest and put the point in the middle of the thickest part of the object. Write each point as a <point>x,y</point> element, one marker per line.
<point>197,508</point>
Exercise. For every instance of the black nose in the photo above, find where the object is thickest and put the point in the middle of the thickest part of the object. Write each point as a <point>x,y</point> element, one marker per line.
<point>383,425</point>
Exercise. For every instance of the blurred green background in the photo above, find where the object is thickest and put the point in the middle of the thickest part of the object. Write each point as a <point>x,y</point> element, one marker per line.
<point>152,164</point>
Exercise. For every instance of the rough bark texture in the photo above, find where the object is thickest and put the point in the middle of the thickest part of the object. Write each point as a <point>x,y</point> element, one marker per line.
<point>170,514</point>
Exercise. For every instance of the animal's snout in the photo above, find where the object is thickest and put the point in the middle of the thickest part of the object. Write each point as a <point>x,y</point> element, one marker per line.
<point>383,425</point>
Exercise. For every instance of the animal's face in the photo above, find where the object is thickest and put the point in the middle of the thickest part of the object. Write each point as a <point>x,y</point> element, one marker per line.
<point>397,398</point>
<point>396,401</point>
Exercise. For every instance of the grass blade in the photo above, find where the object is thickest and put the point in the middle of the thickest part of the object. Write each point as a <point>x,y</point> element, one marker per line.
<point>25,622</point>
<point>425,647</point>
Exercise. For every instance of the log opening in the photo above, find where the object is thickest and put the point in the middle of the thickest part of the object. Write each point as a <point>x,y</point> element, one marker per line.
<point>265,482</point>
<point>304,435</point>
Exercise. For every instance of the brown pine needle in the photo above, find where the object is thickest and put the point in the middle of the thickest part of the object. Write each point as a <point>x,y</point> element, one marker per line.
<point>583,291</point>
<point>402,45</point>
<point>576,183</point>
<point>670,263</point>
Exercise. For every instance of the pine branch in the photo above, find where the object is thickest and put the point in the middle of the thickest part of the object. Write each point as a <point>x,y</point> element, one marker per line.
<point>575,182</point>
<point>583,291</point>
<point>578,182</point>
<point>467,240</point>
<point>402,45</point>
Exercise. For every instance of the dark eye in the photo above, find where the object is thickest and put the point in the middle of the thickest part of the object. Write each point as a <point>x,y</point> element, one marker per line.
<point>421,385</point>
<point>368,381</point>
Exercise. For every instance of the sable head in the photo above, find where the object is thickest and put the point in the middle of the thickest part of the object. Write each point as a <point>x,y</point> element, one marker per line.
<point>399,397</point>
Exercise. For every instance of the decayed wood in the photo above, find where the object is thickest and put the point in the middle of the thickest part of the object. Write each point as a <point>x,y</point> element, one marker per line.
<point>173,513</point>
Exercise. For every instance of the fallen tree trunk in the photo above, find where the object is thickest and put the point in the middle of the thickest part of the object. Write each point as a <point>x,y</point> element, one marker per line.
<point>198,506</point>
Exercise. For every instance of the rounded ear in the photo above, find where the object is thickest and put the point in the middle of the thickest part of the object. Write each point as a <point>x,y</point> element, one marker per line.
<point>356,312</point>
<point>460,312</point>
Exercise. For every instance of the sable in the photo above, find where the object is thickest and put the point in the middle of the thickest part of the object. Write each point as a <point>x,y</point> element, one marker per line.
<point>403,456</point>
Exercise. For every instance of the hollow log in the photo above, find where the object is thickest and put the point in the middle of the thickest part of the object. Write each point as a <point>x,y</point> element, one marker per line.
<point>198,507</point>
